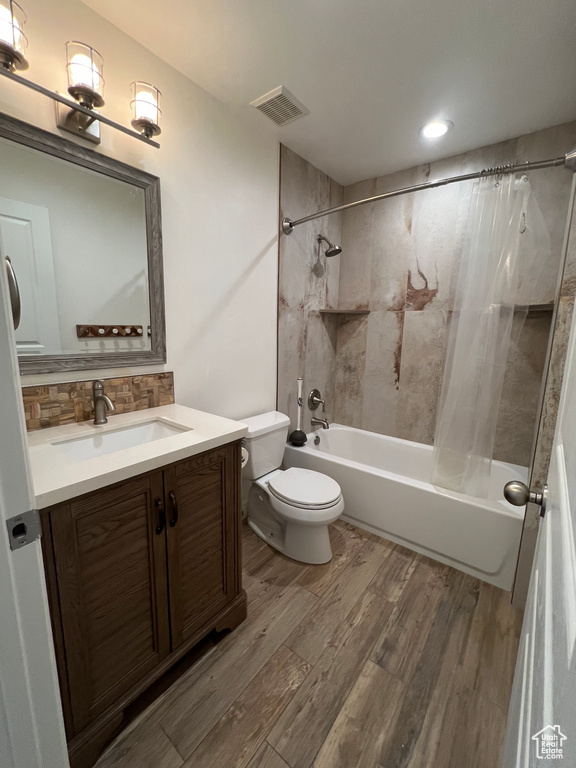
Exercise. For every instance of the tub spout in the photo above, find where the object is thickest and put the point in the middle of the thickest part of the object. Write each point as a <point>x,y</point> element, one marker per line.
<point>315,420</point>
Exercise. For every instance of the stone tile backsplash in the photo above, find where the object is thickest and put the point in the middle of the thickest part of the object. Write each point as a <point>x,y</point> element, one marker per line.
<point>53,405</point>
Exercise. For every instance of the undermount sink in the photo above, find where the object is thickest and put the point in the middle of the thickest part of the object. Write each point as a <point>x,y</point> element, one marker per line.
<point>100,443</point>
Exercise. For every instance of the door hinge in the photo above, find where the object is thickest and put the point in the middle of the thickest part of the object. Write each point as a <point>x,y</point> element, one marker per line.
<point>24,529</point>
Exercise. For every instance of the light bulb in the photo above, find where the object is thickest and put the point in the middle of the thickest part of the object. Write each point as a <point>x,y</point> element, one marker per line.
<point>436,128</point>
<point>145,106</point>
<point>12,39</point>
<point>82,70</point>
<point>85,81</point>
<point>10,31</point>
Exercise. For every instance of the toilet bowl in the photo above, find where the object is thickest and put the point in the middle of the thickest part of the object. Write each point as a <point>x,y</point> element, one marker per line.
<point>289,509</point>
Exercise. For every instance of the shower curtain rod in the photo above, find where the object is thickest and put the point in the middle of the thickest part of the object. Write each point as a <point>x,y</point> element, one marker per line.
<point>569,161</point>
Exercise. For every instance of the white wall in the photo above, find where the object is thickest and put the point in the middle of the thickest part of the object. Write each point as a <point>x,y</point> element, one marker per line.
<point>218,166</point>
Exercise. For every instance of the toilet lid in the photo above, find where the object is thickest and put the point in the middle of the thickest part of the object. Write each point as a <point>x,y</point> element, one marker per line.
<point>304,488</point>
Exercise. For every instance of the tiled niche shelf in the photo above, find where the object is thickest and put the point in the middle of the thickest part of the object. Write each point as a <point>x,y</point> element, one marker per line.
<point>533,309</point>
<point>344,311</point>
<point>537,309</point>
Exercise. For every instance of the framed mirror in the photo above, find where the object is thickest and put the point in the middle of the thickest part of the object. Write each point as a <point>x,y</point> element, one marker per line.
<point>81,235</point>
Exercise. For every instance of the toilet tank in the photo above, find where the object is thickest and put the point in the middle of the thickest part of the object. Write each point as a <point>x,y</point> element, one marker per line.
<point>265,443</point>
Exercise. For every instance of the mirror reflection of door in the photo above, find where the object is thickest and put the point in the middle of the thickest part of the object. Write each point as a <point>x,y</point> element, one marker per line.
<point>25,237</point>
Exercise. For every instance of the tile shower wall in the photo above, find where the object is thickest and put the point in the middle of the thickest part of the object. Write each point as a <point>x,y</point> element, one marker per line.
<point>308,282</point>
<point>400,261</point>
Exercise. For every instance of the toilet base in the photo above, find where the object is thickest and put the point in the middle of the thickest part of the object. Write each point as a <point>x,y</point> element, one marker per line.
<point>309,545</point>
<point>263,532</point>
<point>303,542</point>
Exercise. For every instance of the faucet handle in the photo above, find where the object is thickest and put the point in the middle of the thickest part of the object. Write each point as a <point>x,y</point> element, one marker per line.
<point>315,399</point>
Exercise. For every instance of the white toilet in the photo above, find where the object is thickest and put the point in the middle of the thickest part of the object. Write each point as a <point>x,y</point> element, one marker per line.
<point>290,509</point>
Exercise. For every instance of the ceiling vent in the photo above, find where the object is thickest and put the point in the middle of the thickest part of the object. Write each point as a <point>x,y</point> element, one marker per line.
<point>280,106</point>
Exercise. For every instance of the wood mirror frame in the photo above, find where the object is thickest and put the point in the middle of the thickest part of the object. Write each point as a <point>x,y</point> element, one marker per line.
<point>36,138</point>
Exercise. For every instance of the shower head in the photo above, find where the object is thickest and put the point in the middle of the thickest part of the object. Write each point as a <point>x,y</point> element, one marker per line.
<point>332,250</point>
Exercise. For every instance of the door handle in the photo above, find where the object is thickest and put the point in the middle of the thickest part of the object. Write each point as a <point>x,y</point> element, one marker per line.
<point>161,515</point>
<point>518,494</point>
<point>14,293</point>
<point>174,505</point>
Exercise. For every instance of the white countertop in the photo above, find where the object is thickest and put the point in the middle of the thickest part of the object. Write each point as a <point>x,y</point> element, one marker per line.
<point>57,477</point>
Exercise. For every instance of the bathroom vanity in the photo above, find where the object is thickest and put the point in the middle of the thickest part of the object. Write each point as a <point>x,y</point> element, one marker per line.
<point>141,515</point>
<point>142,554</point>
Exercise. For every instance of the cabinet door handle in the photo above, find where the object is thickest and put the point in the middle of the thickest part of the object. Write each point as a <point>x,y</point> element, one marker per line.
<point>161,515</point>
<point>174,503</point>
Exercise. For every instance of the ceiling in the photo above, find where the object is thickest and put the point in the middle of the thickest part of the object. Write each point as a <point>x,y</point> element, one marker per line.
<point>372,72</point>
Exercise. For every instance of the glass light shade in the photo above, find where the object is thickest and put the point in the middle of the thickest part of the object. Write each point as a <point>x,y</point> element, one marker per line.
<point>85,81</point>
<point>145,106</point>
<point>13,41</point>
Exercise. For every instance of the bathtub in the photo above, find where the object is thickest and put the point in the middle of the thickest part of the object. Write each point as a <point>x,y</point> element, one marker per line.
<point>386,490</point>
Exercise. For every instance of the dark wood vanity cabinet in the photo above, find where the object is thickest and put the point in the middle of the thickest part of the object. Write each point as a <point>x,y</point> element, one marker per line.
<point>138,573</point>
<point>111,581</point>
<point>201,533</point>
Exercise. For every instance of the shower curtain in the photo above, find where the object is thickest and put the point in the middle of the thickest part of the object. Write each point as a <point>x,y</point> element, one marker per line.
<point>506,245</point>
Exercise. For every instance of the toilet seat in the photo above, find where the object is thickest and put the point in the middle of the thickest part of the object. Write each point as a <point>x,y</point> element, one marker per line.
<point>304,489</point>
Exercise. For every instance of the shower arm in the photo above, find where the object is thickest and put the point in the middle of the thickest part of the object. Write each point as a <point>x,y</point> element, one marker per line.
<point>568,161</point>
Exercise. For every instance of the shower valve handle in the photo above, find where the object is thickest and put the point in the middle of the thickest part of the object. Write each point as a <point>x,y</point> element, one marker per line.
<point>315,399</point>
<point>518,494</point>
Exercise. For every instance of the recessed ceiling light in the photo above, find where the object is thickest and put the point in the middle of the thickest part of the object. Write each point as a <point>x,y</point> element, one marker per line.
<point>436,128</point>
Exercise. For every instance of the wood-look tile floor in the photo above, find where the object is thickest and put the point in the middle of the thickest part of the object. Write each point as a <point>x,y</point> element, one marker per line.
<point>380,659</point>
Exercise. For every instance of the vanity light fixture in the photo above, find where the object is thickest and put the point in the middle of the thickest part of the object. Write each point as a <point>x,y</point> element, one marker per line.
<point>145,105</point>
<point>13,41</point>
<point>435,129</point>
<point>84,67</point>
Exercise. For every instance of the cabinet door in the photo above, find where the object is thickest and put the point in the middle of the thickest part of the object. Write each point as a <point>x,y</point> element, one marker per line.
<point>111,570</point>
<point>203,512</point>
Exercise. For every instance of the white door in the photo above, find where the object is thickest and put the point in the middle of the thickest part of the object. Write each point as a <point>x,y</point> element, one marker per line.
<point>25,237</point>
<point>31,724</point>
<point>542,716</point>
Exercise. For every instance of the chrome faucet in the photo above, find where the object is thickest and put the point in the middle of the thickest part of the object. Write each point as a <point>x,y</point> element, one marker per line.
<point>102,404</point>
<point>315,420</point>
